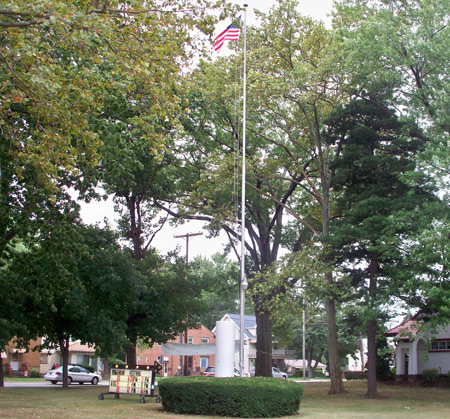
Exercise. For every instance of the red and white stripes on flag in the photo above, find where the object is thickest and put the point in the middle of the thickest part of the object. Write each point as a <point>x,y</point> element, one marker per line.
<point>229,34</point>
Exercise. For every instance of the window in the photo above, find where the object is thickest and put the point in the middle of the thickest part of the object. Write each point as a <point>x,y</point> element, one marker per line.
<point>205,340</point>
<point>204,362</point>
<point>190,340</point>
<point>83,359</point>
<point>138,360</point>
<point>44,358</point>
<point>440,345</point>
<point>146,359</point>
<point>189,361</point>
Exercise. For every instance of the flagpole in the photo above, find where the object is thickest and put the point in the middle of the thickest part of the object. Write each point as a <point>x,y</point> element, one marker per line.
<point>243,284</point>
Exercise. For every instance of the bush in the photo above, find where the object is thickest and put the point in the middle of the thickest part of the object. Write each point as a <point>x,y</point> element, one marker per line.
<point>34,373</point>
<point>232,397</point>
<point>90,368</point>
<point>430,375</point>
<point>355,375</point>
<point>317,373</point>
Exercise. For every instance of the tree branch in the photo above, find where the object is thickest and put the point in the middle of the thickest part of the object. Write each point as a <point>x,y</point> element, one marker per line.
<point>299,219</point>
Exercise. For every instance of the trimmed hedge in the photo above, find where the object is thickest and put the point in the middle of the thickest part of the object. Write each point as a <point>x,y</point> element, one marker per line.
<point>430,375</point>
<point>232,397</point>
<point>355,375</point>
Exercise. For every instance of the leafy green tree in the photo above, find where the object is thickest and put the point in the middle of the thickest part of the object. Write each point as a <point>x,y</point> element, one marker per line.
<point>316,339</point>
<point>220,293</point>
<point>208,183</point>
<point>59,60</point>
<point>65,65</point>
<point>300,84</point>
<point>70,284</point>
<point>77,283</point>
<point>283,166</point>
<point>377,177</point>
<point>166,301</point>
<point>412,59</point>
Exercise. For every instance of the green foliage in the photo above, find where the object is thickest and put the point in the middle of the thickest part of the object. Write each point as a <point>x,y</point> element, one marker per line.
<point>61,65</point>
<point>72,283</point>
<point>88,367</point>
<point>355,375</point>
<point>430,375</point>
<point>231,397</point>
<point>34,373</point>
<point>384,358</point>
<point>220,294</point>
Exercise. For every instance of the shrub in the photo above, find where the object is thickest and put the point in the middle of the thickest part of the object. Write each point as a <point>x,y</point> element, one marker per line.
<point>90,368</point>
<point>232,397</point>
<point>34,373</point>
<point>430,375</point>
<point>355,375</point>
<point>317,373</point>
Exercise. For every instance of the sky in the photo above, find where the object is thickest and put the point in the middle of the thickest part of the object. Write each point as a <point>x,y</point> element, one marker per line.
<point>95,212</point>
<point>317,9</point>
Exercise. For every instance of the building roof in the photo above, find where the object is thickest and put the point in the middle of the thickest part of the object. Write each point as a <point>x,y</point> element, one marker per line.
<point>249,323</point>
<point>78,347</point>
<point>405,330</point>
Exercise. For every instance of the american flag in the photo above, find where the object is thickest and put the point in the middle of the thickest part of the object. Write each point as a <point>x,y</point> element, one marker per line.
<point>229,34</point>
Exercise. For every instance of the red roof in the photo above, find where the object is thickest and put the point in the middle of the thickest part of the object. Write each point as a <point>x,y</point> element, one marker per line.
<point>78,347</point>
<point>405,330</point>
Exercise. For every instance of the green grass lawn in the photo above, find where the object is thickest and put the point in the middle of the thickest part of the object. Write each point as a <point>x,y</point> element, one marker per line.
<point>83,402</point>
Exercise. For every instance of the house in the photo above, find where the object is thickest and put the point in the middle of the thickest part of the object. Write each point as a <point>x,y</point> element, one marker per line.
<point>297,364</point>
<point>358,360</point>
<point>279,355</point>
<point>24,359</point>
<point>191,364</point>
<point>419,348</point>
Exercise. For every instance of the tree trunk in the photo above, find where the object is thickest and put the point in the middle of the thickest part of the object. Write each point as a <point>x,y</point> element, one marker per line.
<point>135,228</point>
<point>2,380</point>
<point>105,368</point>
<point>337,385</point>
<point>64,346</point>
<point>371,360</point>
<point>371,331</point>
<point>310,357</point>
<point>131,353</point>
<point>135,234</point>
<point>263,367</point>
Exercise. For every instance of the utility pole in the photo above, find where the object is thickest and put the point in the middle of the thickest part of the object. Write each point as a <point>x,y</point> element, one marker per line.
<point>304,340</point>
<point>184,365</point>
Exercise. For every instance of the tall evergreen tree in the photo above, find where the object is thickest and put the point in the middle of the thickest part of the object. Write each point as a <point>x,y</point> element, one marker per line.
<point>376,177</point>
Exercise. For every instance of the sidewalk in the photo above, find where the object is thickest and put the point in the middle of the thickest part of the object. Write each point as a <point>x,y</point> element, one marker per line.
<point>310,380</point>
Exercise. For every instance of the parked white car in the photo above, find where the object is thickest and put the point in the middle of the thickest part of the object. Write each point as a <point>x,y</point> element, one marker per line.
<point>76,374</point>
<point>276,373</point>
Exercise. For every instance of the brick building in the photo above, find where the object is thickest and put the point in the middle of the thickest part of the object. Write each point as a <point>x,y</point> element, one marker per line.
<point>192,365</point>
<point>23,360</point>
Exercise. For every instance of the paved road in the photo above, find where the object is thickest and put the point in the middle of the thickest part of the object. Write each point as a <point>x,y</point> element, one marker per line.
<point>45,383</point>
